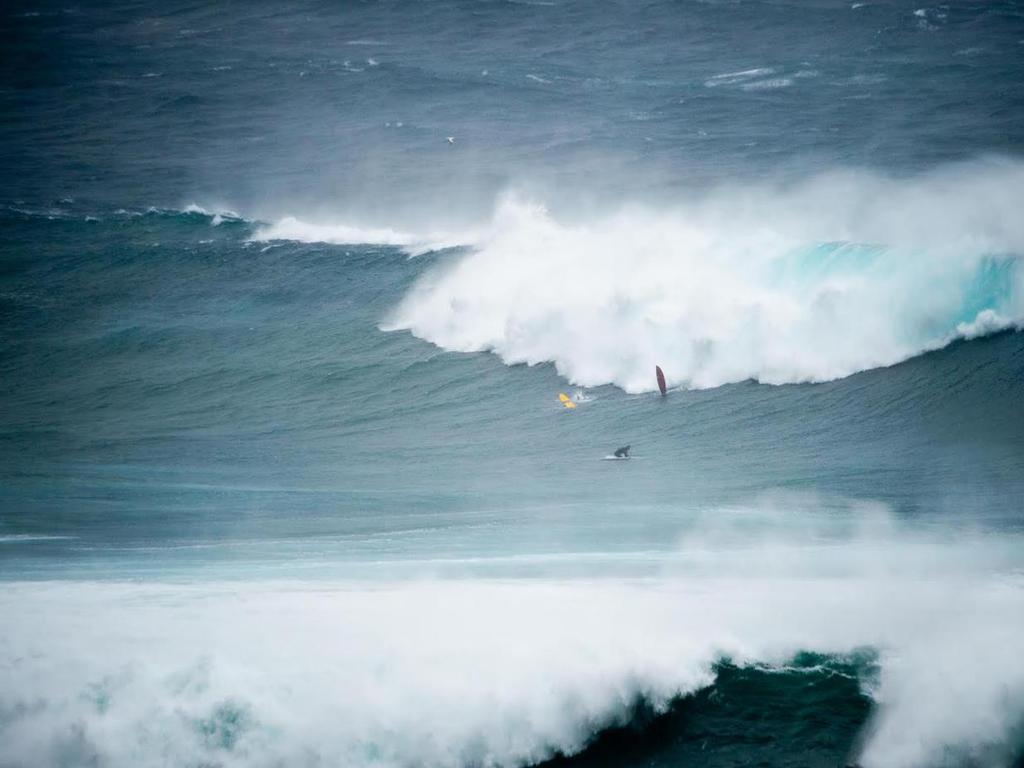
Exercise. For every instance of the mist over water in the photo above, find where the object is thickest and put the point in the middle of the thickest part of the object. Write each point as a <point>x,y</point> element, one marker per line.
<point>284,479</point>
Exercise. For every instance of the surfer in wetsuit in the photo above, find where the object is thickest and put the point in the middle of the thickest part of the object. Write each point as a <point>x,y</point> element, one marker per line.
<point>622,453</point>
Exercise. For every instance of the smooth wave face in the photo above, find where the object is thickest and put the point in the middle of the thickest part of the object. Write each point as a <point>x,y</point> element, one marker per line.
<point>804,283</point>
<point>766,705</point>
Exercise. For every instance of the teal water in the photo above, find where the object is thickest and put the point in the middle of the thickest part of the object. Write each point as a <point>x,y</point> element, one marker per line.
<point>284,476</point>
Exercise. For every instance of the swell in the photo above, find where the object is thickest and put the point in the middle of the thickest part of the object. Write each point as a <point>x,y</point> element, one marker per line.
<point>809,282</point>
<point>183,346</point>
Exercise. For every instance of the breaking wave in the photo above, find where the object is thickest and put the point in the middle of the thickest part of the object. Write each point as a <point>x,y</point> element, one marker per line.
<point>292,228</point>
<point>509,673</point>
<point>807,282</point>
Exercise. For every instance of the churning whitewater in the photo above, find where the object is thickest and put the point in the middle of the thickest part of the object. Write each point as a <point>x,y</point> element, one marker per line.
<point>492,672</point>
<point>807,283</point>
<point>293,297</point>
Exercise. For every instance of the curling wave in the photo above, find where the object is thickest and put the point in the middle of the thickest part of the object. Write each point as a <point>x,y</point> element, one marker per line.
<point>809,282</point>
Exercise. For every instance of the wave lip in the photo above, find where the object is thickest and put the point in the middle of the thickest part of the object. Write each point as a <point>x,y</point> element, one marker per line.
<point>813,282</point>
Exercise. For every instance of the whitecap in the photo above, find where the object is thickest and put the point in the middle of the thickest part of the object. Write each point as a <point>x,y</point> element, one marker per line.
<point>14,538</point>
<point>731,78</point>
<point>292,228</point>
<point>216,217</point>
<point>756,72</point>
<point>767,85</point>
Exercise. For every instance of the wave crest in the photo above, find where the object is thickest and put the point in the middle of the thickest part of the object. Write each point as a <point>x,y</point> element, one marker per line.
<point>292,228</point>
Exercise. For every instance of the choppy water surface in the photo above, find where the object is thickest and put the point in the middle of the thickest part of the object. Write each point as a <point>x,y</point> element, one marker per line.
<point>284,479</point>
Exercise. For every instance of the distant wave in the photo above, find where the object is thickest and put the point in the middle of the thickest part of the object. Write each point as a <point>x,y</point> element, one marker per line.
<point>19,538</point>
<point>284,228</point>
<point>736,78</point>
<point>291,228</point>
<point>806,282</point>
<point>468,673</point>
<point>764,85</point>
<point>67,209</point>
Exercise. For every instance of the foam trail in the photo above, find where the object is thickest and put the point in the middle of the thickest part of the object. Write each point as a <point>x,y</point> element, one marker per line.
<point>811,282</point>
<point>215,214</point>
<point>291,228</point>
<point>504,673</point>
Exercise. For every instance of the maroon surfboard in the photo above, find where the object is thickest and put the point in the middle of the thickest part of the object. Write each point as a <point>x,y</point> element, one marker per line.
<point>661,378</point>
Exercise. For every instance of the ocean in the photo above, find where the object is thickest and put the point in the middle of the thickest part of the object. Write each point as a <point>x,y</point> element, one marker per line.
<point>288,295</point>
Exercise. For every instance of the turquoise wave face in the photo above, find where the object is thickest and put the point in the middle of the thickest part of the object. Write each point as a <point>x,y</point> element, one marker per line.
<point>986,285</point>
<point>994,286</point>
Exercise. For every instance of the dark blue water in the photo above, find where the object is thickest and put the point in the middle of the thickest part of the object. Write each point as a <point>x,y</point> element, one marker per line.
<point>284,477</point>
<point>268,107</point>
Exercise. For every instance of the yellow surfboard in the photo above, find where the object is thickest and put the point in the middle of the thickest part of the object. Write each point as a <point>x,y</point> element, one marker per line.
<point>566,400</point>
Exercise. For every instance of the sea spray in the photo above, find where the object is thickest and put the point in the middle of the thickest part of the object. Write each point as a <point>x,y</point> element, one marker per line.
<point>812,282</point>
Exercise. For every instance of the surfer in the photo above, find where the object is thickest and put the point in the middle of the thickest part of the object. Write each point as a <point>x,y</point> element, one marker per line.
<point>622,453</point>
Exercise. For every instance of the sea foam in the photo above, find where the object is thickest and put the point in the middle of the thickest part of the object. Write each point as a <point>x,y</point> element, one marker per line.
<point>506,673</point>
